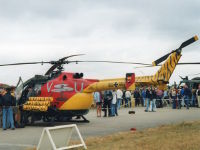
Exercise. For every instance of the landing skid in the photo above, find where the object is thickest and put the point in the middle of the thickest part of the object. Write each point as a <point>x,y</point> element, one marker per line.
<point>85,120</point>
<point>78,119</point>
<point>28,119</point>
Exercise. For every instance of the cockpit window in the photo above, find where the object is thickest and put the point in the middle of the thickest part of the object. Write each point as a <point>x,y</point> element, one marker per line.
<point>37,89</point>
<point>64,77</point>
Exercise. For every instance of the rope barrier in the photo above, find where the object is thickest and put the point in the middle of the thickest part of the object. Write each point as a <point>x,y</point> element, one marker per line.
<point>132,102</point>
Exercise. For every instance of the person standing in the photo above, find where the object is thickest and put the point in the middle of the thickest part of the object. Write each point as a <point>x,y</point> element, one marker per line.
<point>198,95</point>
<point>114,104</point>
<point>148,96</point>
<point>128,98</point>
<point>119,98</point>
<point>143,93</point>
<point>174,97</point>
<point>150,99</point>
<point>8,102</point>
<point>153,99</point>
<point>182,96</point>
<point>159,94</point>
<point>166,97</point>
<point>98,101</point>
<point>137,97</point>
<point>124,98</point>
<point>107,102</point>
<point>179,97</point>
<point>193,103</point>
<point>187,95</point>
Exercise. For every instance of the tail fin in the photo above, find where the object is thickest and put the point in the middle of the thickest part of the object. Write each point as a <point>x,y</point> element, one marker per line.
<point>161,78</point>
<point>166,70</point>
<point>164,73</point>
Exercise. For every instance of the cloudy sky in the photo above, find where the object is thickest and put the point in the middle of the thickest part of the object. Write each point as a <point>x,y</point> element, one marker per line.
<point>121,30</point>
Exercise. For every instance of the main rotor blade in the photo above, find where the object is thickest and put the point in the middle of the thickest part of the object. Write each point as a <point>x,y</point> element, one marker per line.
<point>51,69</point>
<point>148,66</point>
<point>62,59</point>
<point>188,42</point>
<point>60,62</point>
<point>185,63</point>
<point>189,63</point>
<point>105,61</point>
<point>26,63</point>
<point>161,59</point>
<point>195,74</point>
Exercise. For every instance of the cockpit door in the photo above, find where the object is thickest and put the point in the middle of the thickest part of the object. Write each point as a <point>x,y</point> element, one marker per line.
<point>19,89</point>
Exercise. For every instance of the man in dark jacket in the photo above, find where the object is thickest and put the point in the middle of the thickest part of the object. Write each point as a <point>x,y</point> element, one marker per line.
<point>108,96</point>
<point>148,97</point>
<point>187,95</point>
<point>7,102</point>
<point>137,97</point>
<point>153,97</point>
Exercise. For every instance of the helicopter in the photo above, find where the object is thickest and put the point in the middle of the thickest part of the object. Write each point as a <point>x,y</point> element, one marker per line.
<point>192,83</point>
<point>59,95</point>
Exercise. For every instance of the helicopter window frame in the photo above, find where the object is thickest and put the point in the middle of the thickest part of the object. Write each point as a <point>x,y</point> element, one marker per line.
<point>19,89</point>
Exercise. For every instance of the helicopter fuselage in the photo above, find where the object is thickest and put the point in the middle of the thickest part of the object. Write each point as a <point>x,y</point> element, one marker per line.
<point>72,95</point>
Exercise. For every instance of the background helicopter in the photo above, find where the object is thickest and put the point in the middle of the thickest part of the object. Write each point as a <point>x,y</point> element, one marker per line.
<point>191,83</point>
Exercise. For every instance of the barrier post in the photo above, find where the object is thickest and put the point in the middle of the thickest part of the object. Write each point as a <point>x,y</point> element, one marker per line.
<point>58,138</point>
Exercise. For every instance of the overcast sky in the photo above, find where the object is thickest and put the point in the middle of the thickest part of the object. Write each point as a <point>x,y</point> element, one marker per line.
<point>121,30</point>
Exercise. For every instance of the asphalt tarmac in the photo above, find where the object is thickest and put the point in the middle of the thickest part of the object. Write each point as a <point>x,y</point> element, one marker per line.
<point>99,126</point>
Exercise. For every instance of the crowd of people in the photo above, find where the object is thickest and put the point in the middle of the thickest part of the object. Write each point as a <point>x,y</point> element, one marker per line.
<point>149,97</point>
<point>177,97</point>
<point>110,101</point>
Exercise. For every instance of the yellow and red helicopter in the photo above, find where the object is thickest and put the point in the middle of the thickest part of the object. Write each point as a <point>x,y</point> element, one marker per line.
<point>58,94</point>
